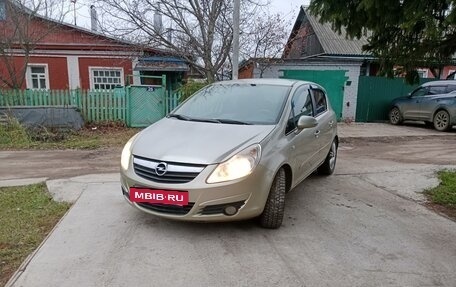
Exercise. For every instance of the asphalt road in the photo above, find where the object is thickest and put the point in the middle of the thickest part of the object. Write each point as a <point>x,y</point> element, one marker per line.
<point>363,226</point>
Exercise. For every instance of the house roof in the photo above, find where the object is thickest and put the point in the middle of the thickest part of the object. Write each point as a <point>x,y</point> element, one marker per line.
<point>95,34</point>
<point>162,64</point>
<point>332,42</point>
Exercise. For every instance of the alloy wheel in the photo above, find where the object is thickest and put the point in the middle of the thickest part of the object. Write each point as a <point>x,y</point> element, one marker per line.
<point>395,116</point>
<point>332,156</point>
<point>441,120</point>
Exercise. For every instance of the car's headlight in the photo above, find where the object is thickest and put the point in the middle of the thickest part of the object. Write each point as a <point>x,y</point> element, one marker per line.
<point>126,154</point>
<point>240,165</point>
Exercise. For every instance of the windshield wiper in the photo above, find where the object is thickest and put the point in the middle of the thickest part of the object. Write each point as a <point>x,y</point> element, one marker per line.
<point>218,121</point>
<point>234,122</point>
<point>180,117</point>
<point>185,118</point>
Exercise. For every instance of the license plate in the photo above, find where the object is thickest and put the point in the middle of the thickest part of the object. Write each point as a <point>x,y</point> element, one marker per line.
<point>170,197</point>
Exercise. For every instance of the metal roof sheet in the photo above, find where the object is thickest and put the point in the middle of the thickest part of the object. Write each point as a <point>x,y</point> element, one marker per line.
<point>332,42</point>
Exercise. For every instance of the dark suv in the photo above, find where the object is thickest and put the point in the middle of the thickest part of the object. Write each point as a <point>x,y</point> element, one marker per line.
<point>433,102</point>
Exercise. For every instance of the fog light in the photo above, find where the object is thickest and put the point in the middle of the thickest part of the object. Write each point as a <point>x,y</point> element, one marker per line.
<point>230,210</point>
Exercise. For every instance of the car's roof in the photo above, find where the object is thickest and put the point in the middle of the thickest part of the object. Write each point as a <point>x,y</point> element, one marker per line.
<point>263,81</point>
<point>439,83</point>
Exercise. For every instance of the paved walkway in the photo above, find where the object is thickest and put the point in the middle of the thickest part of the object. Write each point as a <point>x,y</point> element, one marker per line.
<point>349,229</point>
<point>364,226</point>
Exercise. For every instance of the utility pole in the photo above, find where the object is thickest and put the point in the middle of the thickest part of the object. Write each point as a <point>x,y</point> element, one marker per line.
<point>235,64</point>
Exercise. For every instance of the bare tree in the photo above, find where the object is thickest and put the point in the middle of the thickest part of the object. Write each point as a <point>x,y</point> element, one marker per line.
<point>22,28</point>
<point>265,39</point>
<point>201,31</point>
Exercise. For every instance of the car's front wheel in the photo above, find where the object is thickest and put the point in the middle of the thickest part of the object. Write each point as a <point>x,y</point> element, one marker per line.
<point>329,165</point>
<point>442,121</point>
<point>395,116</point>
<point>274,209</point>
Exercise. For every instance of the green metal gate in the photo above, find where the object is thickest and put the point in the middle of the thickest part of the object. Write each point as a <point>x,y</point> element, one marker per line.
<point>332,80</point>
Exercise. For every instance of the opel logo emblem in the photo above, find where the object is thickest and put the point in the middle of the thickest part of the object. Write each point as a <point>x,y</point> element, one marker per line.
<point>161,168</point>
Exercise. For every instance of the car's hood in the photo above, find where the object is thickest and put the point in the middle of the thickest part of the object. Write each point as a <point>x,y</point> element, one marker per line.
<point>176,140</point>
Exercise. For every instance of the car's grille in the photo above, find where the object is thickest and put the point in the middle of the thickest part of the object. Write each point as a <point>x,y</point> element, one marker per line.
<point>219,208</point>
<point>168,209</point>
<point>172,173</point>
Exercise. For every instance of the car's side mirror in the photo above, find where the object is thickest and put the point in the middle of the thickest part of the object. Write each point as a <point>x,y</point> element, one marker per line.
<point>305,122</point>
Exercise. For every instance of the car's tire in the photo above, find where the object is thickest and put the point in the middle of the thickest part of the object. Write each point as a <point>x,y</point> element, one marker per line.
<point>329,165</point>
<point>274,209</point>
<point>395,116</point>
<point>442,121</point>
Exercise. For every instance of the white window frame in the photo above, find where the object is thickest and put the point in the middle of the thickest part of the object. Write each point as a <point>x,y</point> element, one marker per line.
<point>92,80</point>
<point>28,75</point>
<point>424,73</point>
<point>449,73</point>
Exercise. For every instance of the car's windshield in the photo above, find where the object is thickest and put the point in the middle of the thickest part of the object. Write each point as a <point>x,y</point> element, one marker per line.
<point>235,104</point>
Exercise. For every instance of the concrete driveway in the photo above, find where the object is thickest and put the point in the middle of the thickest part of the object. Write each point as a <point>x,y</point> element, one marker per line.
<point>363,226</point>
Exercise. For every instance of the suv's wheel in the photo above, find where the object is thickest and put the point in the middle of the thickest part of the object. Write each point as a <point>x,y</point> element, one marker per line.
<point>442,121</point>
<point>395,116</point>
<point>274,209</point>
<point>329,165</point>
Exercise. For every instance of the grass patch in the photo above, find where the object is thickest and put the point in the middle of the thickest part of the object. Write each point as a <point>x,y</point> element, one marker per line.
<point>445,193</point>
<point>12,133</point>
<point>101,135</point>
<point>27,215</point>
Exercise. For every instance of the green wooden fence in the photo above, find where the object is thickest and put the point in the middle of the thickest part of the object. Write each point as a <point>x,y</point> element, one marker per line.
<point>35,98</point>
<point>94,105</point>
<point>375,95</point>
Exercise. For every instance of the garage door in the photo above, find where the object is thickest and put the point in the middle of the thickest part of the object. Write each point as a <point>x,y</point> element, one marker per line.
<point>332,80</point>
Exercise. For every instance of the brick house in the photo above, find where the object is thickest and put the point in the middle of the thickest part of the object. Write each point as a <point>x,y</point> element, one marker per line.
<point>66,56</point>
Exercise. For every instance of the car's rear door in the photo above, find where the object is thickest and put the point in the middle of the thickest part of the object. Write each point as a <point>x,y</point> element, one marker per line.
<point>429,102</point>
<point>326,123</point>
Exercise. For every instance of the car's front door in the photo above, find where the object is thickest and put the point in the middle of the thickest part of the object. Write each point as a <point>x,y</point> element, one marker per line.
<point>303,145</point>
<point>411,108</point>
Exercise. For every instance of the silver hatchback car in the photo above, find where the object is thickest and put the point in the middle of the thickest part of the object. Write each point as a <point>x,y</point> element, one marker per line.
<point>232,151</point>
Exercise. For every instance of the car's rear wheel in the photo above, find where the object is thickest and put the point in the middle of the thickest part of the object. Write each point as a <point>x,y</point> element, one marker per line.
<point>274,209</point>
<point>442,121</point>
<point>329,165</point>
<point>395,116</point>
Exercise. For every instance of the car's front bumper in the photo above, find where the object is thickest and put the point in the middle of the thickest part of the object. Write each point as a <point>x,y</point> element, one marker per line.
<point>207,201</point>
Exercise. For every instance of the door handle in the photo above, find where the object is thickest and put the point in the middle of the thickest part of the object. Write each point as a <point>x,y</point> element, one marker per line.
<point>317,133</point>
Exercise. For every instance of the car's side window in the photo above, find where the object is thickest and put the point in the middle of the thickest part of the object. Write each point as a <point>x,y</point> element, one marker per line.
<point>420,92</point>
<point>437,90</point>
<point>301,105</point>
<point>451,88</point>
<point>321,104</point>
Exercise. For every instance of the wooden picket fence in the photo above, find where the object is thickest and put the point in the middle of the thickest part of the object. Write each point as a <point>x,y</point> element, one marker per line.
<point>94,105</point>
